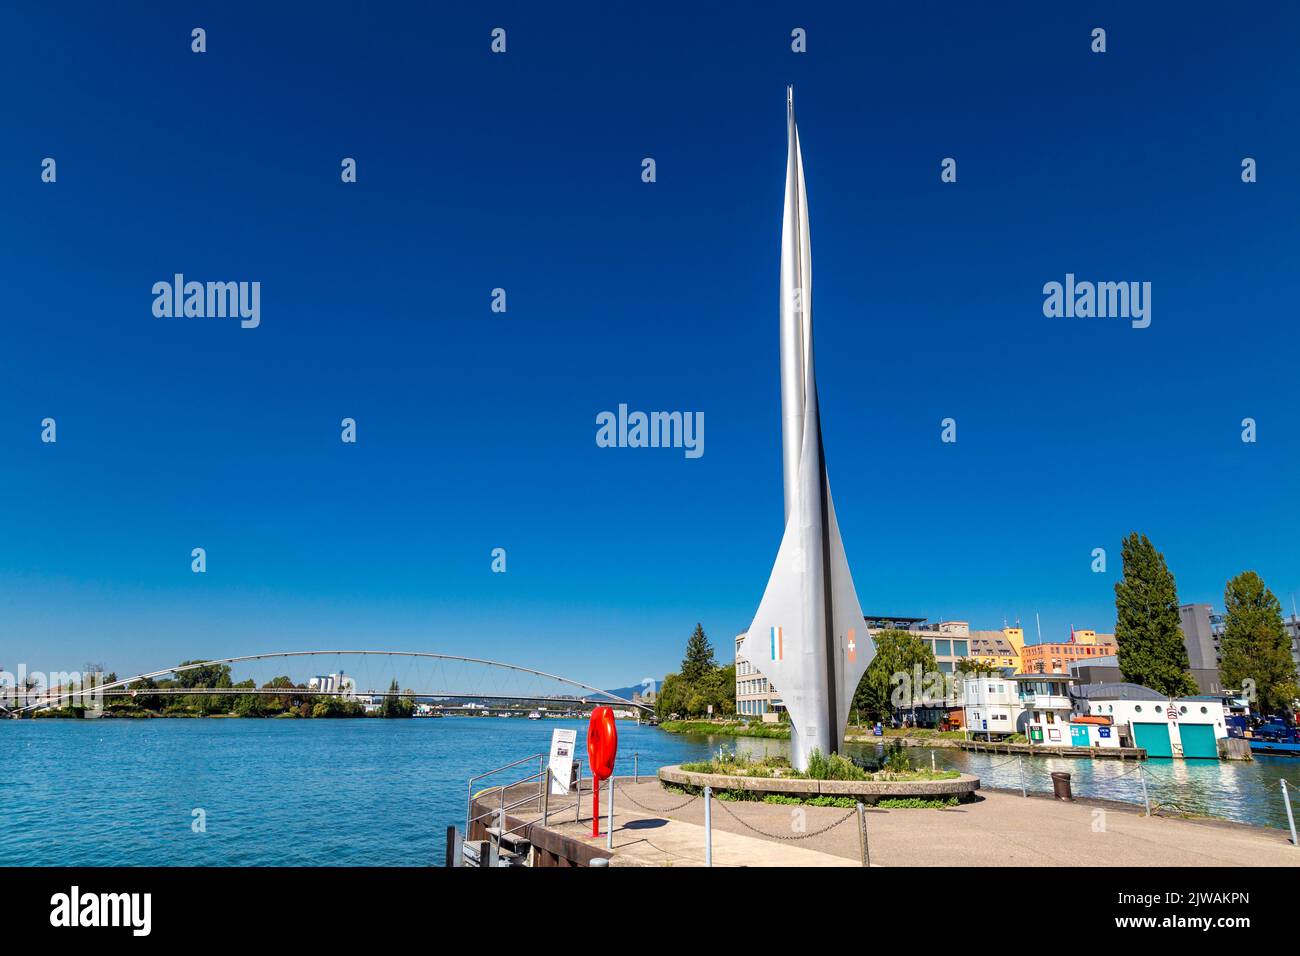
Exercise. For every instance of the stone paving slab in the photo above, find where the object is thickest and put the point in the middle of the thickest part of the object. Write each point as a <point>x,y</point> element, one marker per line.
<point>998,829</point>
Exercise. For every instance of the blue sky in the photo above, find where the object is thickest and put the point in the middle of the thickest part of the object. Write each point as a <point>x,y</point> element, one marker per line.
<point>522,171</point>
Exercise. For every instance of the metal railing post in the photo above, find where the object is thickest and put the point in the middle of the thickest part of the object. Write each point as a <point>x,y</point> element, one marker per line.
<point>546,797</point>
<point>1021,762</point>
<point>1146,801</point>
<point>577,807</point>
<point>708,826</point>
<point>636,776</point>
<point>1290,817</point>
<point>609,827</point>
<point>862,834</point>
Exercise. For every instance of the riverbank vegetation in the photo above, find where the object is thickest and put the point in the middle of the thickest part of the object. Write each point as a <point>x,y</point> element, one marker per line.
<point>700,687</point>
<point>278,697</point>
<point>896,765</point>
<point>731,728</point>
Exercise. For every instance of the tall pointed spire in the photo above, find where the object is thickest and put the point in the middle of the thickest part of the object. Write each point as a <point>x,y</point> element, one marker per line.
<point>808,637</point>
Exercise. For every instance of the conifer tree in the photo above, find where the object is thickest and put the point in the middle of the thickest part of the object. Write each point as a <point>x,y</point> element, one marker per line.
<point>1255,646</point>
<point>1147,630</point>
<point>698,662</point>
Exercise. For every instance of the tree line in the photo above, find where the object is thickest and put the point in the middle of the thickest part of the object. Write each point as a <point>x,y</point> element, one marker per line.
<point>699,684</point>
<point>294,702</point>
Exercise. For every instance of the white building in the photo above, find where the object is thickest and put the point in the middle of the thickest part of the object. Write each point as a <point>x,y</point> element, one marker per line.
<point>1187,727</point>
<point>992,706</point>
<point>1046,701</point>
<point>326,683</point>
<point>755,695</point>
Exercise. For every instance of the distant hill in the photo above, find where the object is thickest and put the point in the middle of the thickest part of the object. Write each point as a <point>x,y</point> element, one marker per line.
<point>627,692</point>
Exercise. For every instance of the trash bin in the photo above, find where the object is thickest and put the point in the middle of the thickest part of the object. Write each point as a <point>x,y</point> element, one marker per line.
<point>1061,786</point>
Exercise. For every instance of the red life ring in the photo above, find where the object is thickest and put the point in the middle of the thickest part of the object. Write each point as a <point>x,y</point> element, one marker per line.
<point>602,742</point>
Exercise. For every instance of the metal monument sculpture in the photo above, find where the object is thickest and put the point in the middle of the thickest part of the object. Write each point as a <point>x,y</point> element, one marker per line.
<point>808,637</point>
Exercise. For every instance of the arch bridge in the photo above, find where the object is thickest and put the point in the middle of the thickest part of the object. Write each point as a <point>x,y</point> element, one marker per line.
<point>435,679</point>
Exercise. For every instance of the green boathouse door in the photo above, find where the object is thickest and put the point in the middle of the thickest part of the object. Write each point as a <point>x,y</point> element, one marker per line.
<point>1154,738</point>
<point>1198,741</point>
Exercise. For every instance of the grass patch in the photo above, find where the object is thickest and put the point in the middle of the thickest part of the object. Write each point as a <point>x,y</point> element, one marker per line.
<point>916,803</point>
<point>843,803</point>
<point>895,767</point>
<point>736,728</point>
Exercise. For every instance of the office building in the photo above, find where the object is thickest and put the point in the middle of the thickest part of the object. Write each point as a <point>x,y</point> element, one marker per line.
<point>755,695</point>
<point>1056,657</point>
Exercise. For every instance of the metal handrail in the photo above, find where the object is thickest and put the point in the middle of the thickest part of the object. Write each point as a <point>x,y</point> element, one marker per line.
<point>505,767</point>
<point>501,791</point>
<point>469,796</point>
<point>544,776</point>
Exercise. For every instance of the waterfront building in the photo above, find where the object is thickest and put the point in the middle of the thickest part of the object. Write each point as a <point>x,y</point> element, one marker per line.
<point>1187,727</point>
<point>755,695</point>
<point>992,707</point>
<point>949,640</point>
<point>1105,670</point>
<point>1047,704</point>
<point>1056,657</point>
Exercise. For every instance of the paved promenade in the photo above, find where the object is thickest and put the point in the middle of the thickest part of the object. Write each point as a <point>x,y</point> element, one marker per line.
<point>999,829</point>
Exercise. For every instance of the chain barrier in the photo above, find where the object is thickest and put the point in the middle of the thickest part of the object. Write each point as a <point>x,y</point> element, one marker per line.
<point>779,836</point>
<point>691,799</point>
<point>1133,769</point>
<point>1003,763</point>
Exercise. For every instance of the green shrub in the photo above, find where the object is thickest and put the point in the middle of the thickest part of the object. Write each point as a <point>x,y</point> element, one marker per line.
<point>834,767</point>
<point>898,760</point>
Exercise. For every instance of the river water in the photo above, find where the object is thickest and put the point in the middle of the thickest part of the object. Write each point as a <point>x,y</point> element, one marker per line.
<point>225,792</point>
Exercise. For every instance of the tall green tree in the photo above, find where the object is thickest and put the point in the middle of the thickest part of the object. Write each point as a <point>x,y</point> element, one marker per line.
<point>698,662</point>
<point>1147,631</point>
<point>700,685</point>
<point>1255,646</point>
<point>671,698</point>
<point>898,654</point>
<point>396,706</point>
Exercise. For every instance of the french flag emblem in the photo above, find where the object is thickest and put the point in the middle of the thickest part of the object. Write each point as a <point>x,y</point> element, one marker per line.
<point>778,650</point>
